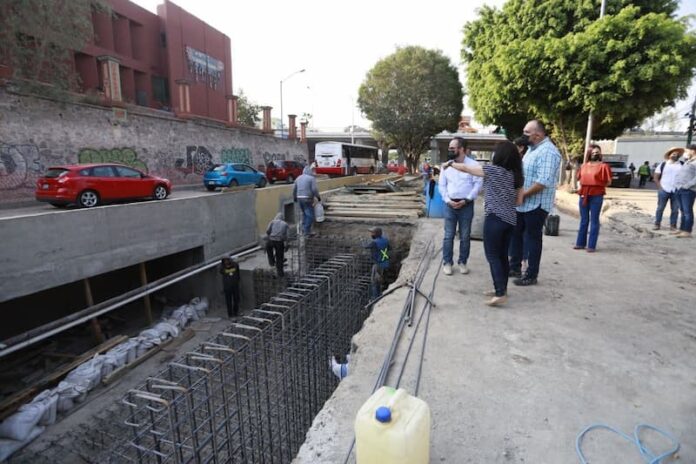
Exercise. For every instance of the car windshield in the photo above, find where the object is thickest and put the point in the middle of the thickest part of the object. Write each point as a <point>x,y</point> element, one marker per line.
<point>55,172</point>
<point>616,164</point>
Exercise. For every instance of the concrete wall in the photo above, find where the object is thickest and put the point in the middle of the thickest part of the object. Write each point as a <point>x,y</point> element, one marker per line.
<point>647,148</point>
<point>38,133</point>
<point>47,250</point>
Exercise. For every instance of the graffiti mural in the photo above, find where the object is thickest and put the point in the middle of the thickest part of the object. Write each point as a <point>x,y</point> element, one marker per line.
<point>126,156</point>
<point>268,157</point>
<point>235,155</point>
<point>198,160</point>
<point>20,164</point>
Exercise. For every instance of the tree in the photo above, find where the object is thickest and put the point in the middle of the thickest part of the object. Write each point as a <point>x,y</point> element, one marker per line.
<point>247,111</point>
<point>38,37</point>
<point>410,96</point>
<point>555,60</point>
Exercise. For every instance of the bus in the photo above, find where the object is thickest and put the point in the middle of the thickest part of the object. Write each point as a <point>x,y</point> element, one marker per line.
<point>343,159</point>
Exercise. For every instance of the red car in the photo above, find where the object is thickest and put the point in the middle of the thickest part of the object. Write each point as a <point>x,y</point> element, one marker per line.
<point>89,185</point>
<point>283,170</point>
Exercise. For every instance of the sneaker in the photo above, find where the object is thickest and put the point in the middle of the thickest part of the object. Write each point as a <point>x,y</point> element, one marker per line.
<point>525,281</point>
<point>673,229</point>
<point>675,232</point>
<point>514,273</point>
<point>489,293</point>
<point>463,269</point>
<point>447,269</point>
<point>576,247</point>
<point>497,300</point>
<point>591,250</point>
<point>684,234</point>
<point>656,227</point>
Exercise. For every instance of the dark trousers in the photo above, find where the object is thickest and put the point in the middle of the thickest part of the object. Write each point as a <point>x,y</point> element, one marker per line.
<point>496,241</point>
<point>232,300</point>
<point>276,255</point>
<point>528,232</point>
<point>643,180</point>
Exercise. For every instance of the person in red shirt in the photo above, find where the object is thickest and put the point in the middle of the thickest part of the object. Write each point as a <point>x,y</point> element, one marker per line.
<point>594,177</point>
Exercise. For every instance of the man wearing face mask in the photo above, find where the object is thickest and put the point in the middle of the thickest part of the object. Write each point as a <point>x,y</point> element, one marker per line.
<point>665,175</point>
<point>458,190</point>
<point>685,185</point>
<point>541,165</point>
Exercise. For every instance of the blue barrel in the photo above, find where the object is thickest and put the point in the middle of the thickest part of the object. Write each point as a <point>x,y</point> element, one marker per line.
<point>434,205</point>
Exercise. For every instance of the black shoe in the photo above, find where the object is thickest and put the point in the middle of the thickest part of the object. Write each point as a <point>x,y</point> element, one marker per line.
<point>525,281</point>
<point>514,273</point>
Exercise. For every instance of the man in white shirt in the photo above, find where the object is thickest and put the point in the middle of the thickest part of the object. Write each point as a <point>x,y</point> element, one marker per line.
<point>458,190</point>
<point>665,175</point>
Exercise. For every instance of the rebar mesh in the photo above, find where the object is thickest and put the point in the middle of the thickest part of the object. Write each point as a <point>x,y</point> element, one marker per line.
<point>250,393</point>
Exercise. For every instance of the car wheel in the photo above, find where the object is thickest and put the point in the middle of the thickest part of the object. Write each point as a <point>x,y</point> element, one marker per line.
<point>161,192</point>
<point>233,183</point>
<point>59,205</point>
<point>262,183</point>
<point>290,179</point>
<point>88,199</point>
<point>210,188</point>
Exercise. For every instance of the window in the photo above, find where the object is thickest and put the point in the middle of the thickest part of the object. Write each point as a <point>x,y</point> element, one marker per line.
<point>103,171</point>
<point>57,172</point>
<point>127,172</point>
<point>240,168</point>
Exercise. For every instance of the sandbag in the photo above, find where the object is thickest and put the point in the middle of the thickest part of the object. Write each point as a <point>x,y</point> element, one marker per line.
<point>87,374</point>
<point>166,330</point>
<point>49,399</point>
<point>8,447</point>
<point>200,305</point>
<point>20,424</point>
<point>69,394</point>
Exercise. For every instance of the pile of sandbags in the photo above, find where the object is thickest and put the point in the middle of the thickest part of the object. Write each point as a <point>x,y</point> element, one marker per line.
<point>31,419</point>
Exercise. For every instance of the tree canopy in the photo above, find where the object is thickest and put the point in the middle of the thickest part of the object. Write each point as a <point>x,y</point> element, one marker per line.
<point>247,111</point>
<point>37,38</point>
<point>410,96</point>
<point>556,60</point>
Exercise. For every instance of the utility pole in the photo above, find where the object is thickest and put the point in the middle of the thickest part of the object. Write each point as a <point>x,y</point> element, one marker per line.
<point>588,137</point>
<point>692,123</point>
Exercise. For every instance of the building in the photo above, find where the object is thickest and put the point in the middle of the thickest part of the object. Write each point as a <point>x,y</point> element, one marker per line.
<point>170,60</point>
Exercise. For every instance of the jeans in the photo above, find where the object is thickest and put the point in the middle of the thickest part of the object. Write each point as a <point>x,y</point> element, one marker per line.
<point>307,205</point>
<point>686,199</point>
<point>453,217</point>
<point>232,300</point>
<point>376,279</point>
<point>276,255</point>
<point>662,198</point>
<point>589,216</point>
<point>528,231</point>
<point>496,240</point>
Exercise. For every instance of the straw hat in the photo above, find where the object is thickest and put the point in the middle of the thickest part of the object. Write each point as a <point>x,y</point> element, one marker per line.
<point>678,150</point>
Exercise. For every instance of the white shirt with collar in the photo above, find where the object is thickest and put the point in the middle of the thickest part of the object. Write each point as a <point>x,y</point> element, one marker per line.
<point>459,185</point>
<point>668,175</point>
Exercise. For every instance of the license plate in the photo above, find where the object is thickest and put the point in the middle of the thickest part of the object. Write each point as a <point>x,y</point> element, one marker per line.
<point>614,177</point>
<point>211,183</point>
<point>44,186</point>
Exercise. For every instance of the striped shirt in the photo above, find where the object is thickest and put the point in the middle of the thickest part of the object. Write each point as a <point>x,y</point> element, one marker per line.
<point>540,166</point>
<point>500,193</point>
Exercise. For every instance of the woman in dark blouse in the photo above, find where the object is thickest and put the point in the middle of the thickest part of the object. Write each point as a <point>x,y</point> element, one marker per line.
<point>502,180</point>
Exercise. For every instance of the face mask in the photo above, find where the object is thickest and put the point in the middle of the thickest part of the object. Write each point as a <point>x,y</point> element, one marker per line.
<point>451,154</point>
<point>596,158</point>
<point>524,140</point>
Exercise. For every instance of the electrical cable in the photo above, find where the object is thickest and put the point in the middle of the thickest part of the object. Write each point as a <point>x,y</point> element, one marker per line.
<point>644,451</point>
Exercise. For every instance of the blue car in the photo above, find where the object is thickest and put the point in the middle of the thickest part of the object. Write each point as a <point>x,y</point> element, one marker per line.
<point>232,175</point>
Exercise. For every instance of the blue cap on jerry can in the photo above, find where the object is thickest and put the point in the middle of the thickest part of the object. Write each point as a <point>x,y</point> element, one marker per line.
<point>383,414</point>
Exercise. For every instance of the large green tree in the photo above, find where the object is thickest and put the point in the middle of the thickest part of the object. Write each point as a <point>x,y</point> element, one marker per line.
<point>37,38</point>
<point>410,96</point>
<point>556,60</point>
<point>247,110</point>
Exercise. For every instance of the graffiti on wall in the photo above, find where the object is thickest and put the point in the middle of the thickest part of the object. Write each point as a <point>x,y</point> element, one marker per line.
<point>126,156</point>
<point>198,160</point>
<point>235,155</point>
<point>19,165</point>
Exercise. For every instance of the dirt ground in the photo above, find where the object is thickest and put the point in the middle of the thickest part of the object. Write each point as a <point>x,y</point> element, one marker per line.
<point>608,337</point>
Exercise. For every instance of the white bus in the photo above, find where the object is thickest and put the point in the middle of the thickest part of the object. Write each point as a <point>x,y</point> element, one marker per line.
<point>343,159</point>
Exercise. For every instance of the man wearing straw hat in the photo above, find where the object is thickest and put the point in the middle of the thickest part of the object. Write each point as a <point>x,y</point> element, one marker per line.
<point>665,175</point>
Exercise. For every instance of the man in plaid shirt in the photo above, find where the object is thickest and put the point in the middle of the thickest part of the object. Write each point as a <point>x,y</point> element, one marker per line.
<point>540,165</point>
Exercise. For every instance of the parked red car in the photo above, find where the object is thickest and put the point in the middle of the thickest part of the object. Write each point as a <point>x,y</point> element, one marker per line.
<point>283,170</point>
<point>90,185</point>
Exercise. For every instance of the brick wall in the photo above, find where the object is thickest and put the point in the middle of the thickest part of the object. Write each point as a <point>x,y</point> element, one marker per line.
<point>37,133</point>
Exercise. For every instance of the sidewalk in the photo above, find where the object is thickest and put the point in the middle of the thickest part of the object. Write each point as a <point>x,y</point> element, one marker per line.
<point>604,337</point>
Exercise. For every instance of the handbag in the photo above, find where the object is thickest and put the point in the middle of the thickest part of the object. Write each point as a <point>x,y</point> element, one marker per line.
<point>552,223</point>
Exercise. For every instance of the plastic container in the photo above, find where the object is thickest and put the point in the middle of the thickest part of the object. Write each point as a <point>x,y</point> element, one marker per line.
<point>393,427</point>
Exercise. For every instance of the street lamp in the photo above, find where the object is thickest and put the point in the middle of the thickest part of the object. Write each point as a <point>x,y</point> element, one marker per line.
<point>281,99</point>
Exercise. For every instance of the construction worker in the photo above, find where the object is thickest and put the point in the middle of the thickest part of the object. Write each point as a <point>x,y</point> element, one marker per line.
<point>380,260</point>
<point>229,269</point>
<point>276,237</point>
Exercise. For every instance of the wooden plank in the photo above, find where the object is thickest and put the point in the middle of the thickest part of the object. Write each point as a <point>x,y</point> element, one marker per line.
<point>370,206</point>
<point>372,214</point>
<point>13,402</point>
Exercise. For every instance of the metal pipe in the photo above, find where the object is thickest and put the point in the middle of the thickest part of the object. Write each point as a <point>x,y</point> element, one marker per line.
<point>86,314</point>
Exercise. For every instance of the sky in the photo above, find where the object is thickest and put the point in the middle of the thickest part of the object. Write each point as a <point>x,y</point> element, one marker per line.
<point>336,43</point>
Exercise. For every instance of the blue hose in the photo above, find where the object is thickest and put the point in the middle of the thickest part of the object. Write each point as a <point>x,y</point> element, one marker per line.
<point>645,452</point>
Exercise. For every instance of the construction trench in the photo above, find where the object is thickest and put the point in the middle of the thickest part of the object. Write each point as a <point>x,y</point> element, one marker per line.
<point>250,392</point>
